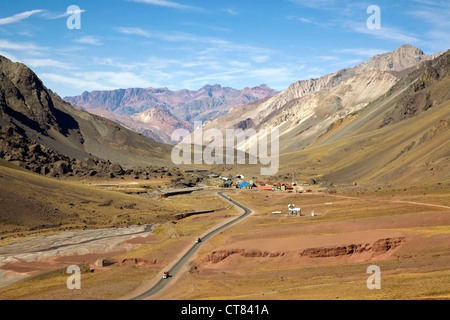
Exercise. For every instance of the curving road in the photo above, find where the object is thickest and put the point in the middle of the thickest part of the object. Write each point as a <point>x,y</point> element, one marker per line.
<point>178,265</point>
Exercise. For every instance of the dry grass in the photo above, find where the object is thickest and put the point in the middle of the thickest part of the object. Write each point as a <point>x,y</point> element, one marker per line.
<point>170,239</point>
<point>417,270</point>
<point>31,204</point>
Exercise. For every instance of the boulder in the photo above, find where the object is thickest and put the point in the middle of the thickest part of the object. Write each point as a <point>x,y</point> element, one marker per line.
<point>61,167</point>
<point>116,169</point>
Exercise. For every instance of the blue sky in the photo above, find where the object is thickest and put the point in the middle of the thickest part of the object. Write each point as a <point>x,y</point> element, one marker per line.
<point>190,43</point>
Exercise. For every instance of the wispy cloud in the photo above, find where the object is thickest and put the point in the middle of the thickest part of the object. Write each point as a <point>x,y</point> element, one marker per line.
<point>365,52</point>
<point>8,55</point>
<point>18,17</point>
<point>205,26</point>
<point>315,3</point>
<point>386,33</point>
<point>89,40</point>
<point>20,46</point>
<point>310,21</point>
<point>98,80</point>
<point>133,31</point>
<point>174,36</point>
<point>434,17</point>
<point>230,11</point>
<point>261,59</point>
<point>57,15</point>
<point>48,63</point>
<point>165,3</point>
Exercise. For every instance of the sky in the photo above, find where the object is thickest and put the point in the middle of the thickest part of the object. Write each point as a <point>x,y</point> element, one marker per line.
<point>186,44</point>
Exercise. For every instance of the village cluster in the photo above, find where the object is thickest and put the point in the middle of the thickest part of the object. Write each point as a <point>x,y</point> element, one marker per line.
<point>241,183</point>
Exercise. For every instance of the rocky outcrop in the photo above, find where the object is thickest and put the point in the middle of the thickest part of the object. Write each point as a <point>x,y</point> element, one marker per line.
<point>38,158</point>
<point>220,255</point>
<point>137,262</point>
<point>376,248</point>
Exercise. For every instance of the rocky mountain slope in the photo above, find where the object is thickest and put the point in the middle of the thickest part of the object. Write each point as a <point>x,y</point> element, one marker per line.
<point>37,113</point>
<point>400,138</point>
<point>403,136</point>
<point>157,122</point>
<point>30,155</point>
<point>306,108</point>
<point>127,106</point>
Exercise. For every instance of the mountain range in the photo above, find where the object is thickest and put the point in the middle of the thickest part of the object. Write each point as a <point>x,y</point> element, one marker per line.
<point>156,113</point>
<point>384,121</point>
<point>306,108</point>
<point>37,113</point>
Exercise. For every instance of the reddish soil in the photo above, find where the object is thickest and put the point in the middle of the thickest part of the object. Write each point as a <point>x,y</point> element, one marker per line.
<point>47,264</point>
<point>363,251</point>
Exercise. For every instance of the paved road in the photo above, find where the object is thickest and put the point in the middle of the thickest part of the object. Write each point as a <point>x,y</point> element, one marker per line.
<point>177,266</point>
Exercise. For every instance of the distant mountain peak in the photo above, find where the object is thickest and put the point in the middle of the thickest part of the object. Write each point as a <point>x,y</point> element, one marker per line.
<point>400,59</point>
<point>175,108</point>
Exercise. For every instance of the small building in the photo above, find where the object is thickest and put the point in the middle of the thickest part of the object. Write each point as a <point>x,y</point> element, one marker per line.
<point>294,211</point>
<point>247,185</point>
<point>227,183</point>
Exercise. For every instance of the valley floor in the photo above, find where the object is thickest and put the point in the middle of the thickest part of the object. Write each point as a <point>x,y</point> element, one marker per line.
<point>268,255</point>
<point>326,256</point>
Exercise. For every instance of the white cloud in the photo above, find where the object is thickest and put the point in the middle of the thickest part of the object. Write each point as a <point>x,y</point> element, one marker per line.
<point>231,11</point>
<point>133,31</point>
<point>366,52</point>
<point>435,17</point>
<point>175,36</point>
<point>89,40</point>
<point>54,15</point>
<point>315,3</point>
<point>164,3</point>
<point>327,58</point>
<point>9,56</point>
<point>261,59</point>
<point>74,82</point>
<point>310,21</point>
<point>36,63</point>
<point>97,80</point>
<point>283,74</point>
<point>27,47</point>
<point>387,33</point>
<point>18,17</point>
<point>224,77</point>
